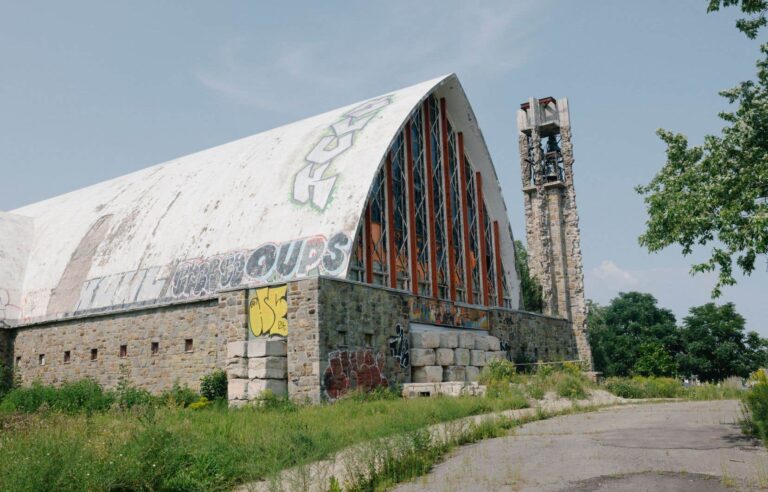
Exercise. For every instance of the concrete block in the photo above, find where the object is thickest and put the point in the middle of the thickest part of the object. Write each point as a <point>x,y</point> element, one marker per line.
<point>237,369</point>
<point>422,357</point>
<point>277,386</point>
<point>265,347</point>
<point>467,340</point>
<point>454,373</point>
<point>449,339</point>
<point>494,344</point>
<point>489,356</point>
<point>461,357</point>
<point>477,358</point>
<point>472,373</point>
<point>444,357</point>
<point>428,374</point>
<point>481,342</point>
<point>237,389</point>
<point>237,349</point>
<point>425,339</point>
<point>268,368</point>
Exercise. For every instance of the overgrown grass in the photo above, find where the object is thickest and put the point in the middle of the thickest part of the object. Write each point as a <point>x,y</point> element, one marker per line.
<point>658,387</point>
<point>565,380</point>
<point>152,447</point>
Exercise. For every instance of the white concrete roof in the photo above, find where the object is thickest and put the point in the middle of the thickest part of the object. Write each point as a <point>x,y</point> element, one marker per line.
<point>290,198</point>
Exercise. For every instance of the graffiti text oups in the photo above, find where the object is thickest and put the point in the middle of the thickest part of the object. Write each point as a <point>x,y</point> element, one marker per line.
<point>311,184</point>
<point>267,263</point>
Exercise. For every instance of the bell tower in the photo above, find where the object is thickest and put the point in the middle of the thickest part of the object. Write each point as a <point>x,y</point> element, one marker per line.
<point>551,218</point>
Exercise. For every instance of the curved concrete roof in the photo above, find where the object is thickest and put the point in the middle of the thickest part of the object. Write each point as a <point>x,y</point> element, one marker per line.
<point>278,205</point>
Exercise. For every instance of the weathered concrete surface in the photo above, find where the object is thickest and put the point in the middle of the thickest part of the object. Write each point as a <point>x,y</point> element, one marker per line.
<point>670,446</point>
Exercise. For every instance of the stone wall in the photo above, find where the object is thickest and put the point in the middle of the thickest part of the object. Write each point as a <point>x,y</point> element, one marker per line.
<point>304,353</point>
<point>369,337</point>
<point>360,326</point>
<point>128,340</point>
<point>533,337</point>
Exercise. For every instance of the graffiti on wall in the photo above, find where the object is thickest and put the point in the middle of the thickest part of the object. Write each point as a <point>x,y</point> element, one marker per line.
<point>438,312</point>
<point>268,311</point>
<point>313,183</point>
<point>8,311</point>
<point>267,263</point>
<point>349,370</point>
<point>400,347</point>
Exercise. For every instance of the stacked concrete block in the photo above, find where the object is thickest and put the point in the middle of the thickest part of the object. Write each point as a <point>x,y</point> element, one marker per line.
<point>255,366</point>
<point>451,356</point>
<point>267,367</point>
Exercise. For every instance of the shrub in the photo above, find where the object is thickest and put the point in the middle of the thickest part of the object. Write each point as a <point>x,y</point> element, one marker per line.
<point>6,379</point>
<point>645,387</point>
<point>128,396</point>
<point>755,405</point>
<point>179,396</point>
<point>500,370</point>
<point>72,397</point>
<point>213,386</point>
<point>201,403</point>
<point>570,386</point>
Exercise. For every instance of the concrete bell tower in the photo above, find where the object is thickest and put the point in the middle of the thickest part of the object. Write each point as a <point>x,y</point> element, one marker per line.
<point>551,218</point>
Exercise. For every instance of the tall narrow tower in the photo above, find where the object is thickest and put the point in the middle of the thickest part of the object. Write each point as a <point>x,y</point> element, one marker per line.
<point>551,218</point>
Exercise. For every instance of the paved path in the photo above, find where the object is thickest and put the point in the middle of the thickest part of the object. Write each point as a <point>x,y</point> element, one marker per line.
<point>685,446</point>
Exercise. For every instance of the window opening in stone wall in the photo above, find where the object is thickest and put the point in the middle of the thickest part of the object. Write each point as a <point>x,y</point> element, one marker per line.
<point>155,348</point>
<point>399,228</point>
<point>94,354</point>
<point>457,233</point>
<point>343,338</point>
<point>123,350</point>
<point>420,203</point>
<point>67,356</point>
<point>438,199</point>
<point>368,340</point>
<point>473,232</point>
<point>41,359</point>
<point>18,361</point>
<point>189,345</point>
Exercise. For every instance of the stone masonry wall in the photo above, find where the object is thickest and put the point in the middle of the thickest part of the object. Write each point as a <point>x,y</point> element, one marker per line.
<point>304,353</point>
<point>363,337</point>
<point>39,350</point>
<point>533,337</point>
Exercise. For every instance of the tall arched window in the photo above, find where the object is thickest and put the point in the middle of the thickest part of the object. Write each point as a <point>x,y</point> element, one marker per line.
<point>426,227</point>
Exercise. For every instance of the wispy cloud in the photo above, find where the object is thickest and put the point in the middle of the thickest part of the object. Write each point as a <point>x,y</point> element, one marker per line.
<point>349,57</point>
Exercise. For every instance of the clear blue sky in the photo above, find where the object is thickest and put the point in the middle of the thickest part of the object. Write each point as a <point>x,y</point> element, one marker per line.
<point>92,90</point>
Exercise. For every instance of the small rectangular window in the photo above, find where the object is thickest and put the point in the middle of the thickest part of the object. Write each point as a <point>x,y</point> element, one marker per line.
<point>343,337</point>
<point>67,356</point>
<point>18,361</point>
<point>155,348</point>
<point>94,354</point>
<point>41,359</point>
<point>123,350</point>
<point>189,345</point>
<point>368,340</point>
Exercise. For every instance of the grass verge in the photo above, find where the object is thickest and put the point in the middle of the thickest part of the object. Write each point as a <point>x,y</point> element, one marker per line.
<point>215,448</point>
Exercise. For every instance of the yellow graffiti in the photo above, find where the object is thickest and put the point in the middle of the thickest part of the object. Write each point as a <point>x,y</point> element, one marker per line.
<point>268,311</point>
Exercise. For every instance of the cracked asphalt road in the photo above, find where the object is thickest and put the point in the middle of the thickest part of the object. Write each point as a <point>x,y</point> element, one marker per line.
<point>681,446</point>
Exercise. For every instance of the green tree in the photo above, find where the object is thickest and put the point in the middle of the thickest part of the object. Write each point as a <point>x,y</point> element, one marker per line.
<point>532,292</point>
<point>717,193</point>
<point>716,346</point>
<point>632,335</point>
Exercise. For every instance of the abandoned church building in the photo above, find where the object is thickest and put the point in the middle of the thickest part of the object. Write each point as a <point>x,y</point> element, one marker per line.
<point>363,247</point>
